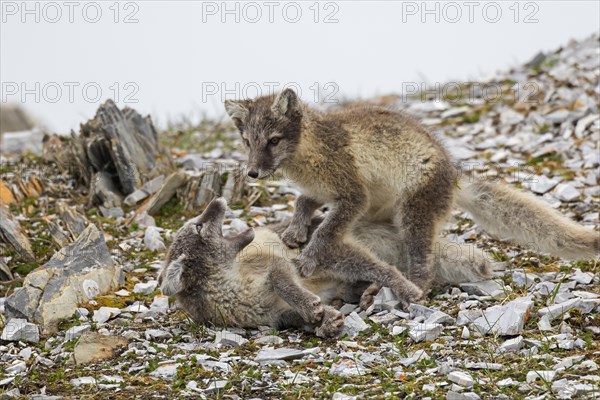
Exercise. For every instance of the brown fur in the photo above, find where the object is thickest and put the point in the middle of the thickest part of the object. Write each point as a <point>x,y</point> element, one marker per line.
<point>376,165</point>
<point>363,162</point>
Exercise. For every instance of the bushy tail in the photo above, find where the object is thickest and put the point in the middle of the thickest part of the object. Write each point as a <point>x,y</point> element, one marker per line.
<point>512,214</point>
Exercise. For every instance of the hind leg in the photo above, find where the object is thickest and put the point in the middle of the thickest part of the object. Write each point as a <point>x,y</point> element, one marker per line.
<point>419,221</point>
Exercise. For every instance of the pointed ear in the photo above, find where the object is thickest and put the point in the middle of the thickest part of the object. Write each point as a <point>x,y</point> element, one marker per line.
<point>286,104</point>
<point>170,277</point>
<point>237,112</point>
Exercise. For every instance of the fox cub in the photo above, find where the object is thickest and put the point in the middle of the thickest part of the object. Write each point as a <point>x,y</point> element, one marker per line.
<point>244,281</point>
<point>380,165</point>
<point>248,280</point>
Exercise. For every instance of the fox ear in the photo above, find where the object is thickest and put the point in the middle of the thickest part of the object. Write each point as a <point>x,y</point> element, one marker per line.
<point>237,112</point>
<point>170,277</point>
<point>286,104</point>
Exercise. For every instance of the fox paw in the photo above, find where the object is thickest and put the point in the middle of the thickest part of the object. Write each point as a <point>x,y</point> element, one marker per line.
<point>306,265</point>
<point>313,311</point>
<point>332,325</point>
<point>407,293</point>
<point>295,236</point>
<point>367,298</point>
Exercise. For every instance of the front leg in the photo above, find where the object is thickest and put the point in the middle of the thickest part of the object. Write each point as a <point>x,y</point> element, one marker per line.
<point>285,283</point>
<point>330,233</point>
<point>330,326</point>
<point>297,232</point>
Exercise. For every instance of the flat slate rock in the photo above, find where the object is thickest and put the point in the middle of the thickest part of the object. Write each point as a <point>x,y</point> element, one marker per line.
<point>53,291</point>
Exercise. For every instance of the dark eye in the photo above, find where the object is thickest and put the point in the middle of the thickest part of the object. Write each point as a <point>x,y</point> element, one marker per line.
<point>198,227</point>
<point>247,142</point>
<point>274,141</point>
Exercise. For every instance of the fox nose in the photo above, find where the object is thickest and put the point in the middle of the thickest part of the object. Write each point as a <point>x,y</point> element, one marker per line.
<point>253,174</point>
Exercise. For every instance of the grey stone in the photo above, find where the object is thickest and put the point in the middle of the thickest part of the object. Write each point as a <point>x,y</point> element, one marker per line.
<point>521,278</point>
<point>103,314</point>
<point>282,353</point>
<point>226,338</point>
<point>417,310</point>
<point>215,386</point>
<point>483,288</point>
<point>25,354</point>
<point>85,380</point>
<point>112,212</point>
<point>347,308</point>
<point>136,307</point>
<point>353,325</point>
<point>19,329</point>
<point>439,317</point>
<point>510,117</point>
<point>165,371</point>
<point>425,332</point>
<point>146,287</point>
<point>557,310</point>
<point>461,378</point>
<point>10,232</point>
<point>76,331</point>
<point>566,192</point>
<point>546,376</point>
<point>484,365</point>
<point>507,382</point>
<point>584,278</point>
<point>507,319</point>
<point>583,123</point>
<point>144,220</point>
<point>540,184</point>
<point>53,291</point>
<point>347,368</point>
<point>384,318</point>
<point>414,357</point>
<point>16,368</point>
<point>452,395</point>
<point>157,334</point>
<point>544,324</point>
<point>160,304</point>
<point>466,334</point>
<point>466,317</point>
<point>558,116</point>
<point>511,345</point>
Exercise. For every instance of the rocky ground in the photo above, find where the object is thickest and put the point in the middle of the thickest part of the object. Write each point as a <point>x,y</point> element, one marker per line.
<point>91,323</point>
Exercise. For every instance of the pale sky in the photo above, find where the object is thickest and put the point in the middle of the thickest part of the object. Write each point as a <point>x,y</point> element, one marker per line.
<point>182,58</point>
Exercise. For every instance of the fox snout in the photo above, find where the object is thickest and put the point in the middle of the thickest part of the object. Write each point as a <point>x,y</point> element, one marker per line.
<point>258,170</point>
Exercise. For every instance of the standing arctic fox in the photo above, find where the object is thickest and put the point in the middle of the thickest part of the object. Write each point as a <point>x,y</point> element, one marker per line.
<point>381,165</point>
<point>248,280</point>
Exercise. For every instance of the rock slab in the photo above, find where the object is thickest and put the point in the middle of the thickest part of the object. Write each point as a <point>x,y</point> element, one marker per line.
<point>53,291</point>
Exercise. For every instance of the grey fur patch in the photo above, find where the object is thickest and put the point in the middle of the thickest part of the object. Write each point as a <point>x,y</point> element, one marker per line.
<point>171,284</point>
